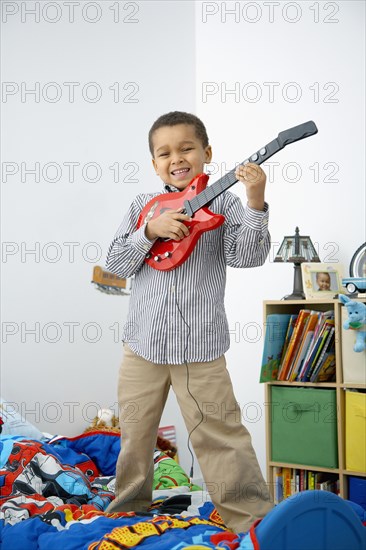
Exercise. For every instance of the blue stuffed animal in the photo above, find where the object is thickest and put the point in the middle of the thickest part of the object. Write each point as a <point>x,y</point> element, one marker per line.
<point>356,320</point>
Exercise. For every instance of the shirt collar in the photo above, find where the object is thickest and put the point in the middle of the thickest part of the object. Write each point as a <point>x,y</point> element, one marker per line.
<point>170,188</point>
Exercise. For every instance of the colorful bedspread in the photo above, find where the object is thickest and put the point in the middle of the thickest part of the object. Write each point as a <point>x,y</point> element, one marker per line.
<point>37,477</point>
<point>62,487</point>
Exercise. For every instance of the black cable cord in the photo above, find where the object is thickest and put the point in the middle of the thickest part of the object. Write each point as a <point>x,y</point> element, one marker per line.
<point>187,369</point>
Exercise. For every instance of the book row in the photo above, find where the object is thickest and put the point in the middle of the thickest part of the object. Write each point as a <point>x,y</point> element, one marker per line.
<point>289,481</point>
<point>299,347</point>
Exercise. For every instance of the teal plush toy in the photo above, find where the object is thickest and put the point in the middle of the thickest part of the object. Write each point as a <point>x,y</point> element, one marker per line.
<point>356,320</point>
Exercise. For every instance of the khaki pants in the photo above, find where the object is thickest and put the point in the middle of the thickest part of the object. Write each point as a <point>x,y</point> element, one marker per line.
<point>221,443</point>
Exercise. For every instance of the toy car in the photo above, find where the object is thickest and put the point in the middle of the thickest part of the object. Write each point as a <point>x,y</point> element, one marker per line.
<point>354,284</point>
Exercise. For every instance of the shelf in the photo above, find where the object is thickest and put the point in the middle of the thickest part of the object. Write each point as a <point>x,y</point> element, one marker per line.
<point>339,387</point>
<point>312,384</point>
<point>304,303</point>
<point>304,467</point>
<point>350,473</point>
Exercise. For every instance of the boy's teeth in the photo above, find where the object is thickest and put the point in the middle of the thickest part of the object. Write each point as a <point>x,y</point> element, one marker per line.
<point>180,171</point>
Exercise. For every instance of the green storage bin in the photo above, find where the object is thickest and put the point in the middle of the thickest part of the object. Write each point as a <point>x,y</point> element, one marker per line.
<point>304,426</point>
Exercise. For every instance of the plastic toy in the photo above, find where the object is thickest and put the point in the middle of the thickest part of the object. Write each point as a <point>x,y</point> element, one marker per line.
<point>107,282</point>
<point>354,284</point>
<point>311,519</point>
<point>356,320</point>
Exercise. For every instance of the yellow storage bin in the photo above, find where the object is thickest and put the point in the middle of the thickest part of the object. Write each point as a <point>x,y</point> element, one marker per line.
<point>356,431</point>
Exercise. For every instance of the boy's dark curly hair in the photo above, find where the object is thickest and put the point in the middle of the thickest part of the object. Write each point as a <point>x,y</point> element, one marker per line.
<point>179,117</point>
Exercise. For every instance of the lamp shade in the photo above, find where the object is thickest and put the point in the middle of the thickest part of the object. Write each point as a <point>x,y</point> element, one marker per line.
<point>297,249</point>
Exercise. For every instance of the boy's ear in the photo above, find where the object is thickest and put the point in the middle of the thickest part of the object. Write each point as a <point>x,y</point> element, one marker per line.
<point>155,166</point>
<point>208,152</point>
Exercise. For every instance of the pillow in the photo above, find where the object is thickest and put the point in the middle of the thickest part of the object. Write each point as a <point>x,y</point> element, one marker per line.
<point>15,424</point>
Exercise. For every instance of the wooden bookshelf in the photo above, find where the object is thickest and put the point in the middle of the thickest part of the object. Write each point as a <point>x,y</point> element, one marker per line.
<point>340,387</point>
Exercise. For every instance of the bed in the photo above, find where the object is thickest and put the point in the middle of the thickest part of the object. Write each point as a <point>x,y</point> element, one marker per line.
<point>54,492</point>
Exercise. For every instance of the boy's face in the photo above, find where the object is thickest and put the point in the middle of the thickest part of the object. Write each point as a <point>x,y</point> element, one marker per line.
<point>179,155</point>
<point>323,281</point>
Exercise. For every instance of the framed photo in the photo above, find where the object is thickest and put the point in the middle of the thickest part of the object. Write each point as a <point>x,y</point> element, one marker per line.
<point>321,281</point>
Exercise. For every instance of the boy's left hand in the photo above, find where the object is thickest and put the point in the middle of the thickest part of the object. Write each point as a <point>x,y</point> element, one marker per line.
<point>254,180</point>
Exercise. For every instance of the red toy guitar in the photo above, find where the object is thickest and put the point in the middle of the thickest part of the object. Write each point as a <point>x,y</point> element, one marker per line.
<point>167,254</point>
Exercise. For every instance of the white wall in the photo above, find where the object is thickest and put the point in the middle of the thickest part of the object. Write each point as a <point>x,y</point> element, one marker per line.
<point>166,56</point>
<point>61,385</point>
<point>271,62</point>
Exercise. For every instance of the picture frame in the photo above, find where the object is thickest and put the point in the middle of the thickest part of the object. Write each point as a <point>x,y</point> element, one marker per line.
<point>322,281</point>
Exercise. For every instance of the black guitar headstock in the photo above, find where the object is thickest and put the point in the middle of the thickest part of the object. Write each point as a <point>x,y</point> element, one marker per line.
<point>297,132</point>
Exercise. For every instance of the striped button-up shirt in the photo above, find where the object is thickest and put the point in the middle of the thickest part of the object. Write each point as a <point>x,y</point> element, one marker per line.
<point>179,316</point>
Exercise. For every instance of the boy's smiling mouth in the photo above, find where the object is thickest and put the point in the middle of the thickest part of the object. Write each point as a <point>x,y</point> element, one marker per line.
<point>180,171</point>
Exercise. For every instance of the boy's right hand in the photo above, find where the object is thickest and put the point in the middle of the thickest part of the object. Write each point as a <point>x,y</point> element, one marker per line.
<point>168,226</point>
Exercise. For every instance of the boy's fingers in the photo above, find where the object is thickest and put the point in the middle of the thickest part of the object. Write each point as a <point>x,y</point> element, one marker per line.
<point>182,217</point>
<point>182,229</point>
<point>249,166</point>
<point>251,172</point>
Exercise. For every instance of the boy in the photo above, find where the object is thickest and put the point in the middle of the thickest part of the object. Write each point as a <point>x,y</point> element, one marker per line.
<point>177,332</point>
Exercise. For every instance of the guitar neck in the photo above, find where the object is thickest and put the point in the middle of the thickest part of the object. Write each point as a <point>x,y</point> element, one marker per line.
<point>220,186</point>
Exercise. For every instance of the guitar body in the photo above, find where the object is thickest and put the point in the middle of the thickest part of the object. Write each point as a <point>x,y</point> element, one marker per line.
<point>167,254</point>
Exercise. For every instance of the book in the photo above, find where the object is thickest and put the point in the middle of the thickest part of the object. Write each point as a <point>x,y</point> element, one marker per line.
<point>275,335</point>
<point>314,345</point>
<point>293,344</point>
<point>286,479</point>
<point>293,481</point>
<point>323,335</point>
<point>300,340</point>
<point>289,332</point>
<point>318,327</point>
<point>302,480</point>
<point>278,480</point>
<point>305,343</point>
<point>297,480</point>
<point>328,369</point>
<point>327,345</point>
<point>311,481</point>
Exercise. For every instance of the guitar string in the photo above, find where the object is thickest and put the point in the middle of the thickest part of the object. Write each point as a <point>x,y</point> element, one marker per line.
<point>213,191</point>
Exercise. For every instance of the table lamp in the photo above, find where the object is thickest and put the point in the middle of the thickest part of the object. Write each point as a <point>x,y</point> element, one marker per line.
<point>297,249</point>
